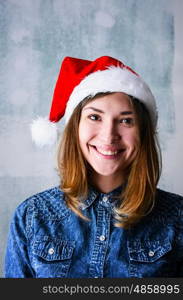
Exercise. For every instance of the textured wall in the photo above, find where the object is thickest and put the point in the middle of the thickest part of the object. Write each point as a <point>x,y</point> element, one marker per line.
<point>34,38</point>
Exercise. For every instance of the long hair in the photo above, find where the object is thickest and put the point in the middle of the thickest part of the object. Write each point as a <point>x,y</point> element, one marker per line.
<point>138,196</point>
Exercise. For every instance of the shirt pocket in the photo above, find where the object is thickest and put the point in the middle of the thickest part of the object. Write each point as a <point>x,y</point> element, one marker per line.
<point>150,258</point>
<point>52,257</point>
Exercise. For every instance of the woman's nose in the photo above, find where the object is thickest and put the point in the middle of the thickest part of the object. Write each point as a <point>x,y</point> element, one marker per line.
<point>109,133</point>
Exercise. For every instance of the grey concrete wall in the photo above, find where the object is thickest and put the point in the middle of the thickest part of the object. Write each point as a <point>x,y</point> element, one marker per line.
<point>35,35</point>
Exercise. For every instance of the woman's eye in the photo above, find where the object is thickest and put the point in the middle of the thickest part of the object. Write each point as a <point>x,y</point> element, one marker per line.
<point>94,117</point>
<point>127,121</point>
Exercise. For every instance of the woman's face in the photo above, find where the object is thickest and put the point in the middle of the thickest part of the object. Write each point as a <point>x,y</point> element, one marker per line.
<point>109,134</point>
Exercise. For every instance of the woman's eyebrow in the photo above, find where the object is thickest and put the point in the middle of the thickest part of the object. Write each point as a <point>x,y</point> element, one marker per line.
<point>101,111</point>
<point>93,108</point>
<point>126,112</point>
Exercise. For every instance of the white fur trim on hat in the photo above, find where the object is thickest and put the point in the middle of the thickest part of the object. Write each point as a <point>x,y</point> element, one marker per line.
<point>113,79</point>
<point>43,132</point>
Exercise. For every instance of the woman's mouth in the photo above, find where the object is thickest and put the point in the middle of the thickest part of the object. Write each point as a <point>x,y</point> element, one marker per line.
<point>108,153</point>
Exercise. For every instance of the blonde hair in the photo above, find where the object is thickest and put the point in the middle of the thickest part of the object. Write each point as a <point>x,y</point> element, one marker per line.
<point>138,196</point>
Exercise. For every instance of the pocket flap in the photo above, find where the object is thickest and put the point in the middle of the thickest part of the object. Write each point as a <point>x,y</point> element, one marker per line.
<point>53,249</point>
<point>148,251</point>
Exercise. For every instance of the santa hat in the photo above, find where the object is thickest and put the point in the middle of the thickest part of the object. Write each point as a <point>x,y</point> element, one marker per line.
<point>80,78</point>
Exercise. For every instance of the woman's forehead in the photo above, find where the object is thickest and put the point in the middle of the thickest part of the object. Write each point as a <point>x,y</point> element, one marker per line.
<point>116,102</point>
<point>113,99</point>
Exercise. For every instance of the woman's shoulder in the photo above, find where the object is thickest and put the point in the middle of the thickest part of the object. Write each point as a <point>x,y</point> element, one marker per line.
<point>169,197</point>
<point>170,204</point>
<point>49,203</point>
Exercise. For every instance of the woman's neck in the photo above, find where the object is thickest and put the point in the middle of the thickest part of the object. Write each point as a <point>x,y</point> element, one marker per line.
<point>106,184</point>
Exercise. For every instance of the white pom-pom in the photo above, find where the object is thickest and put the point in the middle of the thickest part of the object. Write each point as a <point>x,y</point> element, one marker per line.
<point>43,132</point>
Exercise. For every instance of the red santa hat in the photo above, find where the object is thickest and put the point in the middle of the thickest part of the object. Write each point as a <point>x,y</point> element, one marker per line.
<point>80,78</point>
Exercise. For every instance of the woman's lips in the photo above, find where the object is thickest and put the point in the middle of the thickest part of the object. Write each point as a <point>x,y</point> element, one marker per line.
<point>111,154</point>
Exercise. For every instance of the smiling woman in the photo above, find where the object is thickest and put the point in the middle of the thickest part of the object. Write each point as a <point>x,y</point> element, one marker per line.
<point>105,132</point>
<point>107,218</point>
<point>109,139</point>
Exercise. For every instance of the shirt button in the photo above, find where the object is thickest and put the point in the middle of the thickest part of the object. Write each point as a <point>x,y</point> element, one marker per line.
<point>51,251</point>
<point>151,253</point>
<point>102,238</point>
<point>105,199</point>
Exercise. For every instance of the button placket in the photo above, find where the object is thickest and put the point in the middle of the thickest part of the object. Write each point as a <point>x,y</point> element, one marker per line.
<point>100,245</point>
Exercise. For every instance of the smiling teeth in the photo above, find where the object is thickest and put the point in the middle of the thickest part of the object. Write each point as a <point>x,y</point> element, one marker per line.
<point>107,152</point>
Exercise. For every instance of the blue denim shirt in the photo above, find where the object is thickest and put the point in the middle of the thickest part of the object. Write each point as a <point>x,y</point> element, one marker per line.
<point>47,239</point>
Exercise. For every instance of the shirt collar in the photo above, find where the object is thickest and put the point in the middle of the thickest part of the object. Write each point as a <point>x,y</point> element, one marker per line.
<point>93,194</point>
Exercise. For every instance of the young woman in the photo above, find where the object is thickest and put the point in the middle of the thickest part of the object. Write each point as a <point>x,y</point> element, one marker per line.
<point>107,218</point>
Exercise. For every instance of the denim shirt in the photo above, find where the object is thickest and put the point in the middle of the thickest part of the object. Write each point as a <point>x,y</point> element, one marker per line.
<point>46,239</point>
